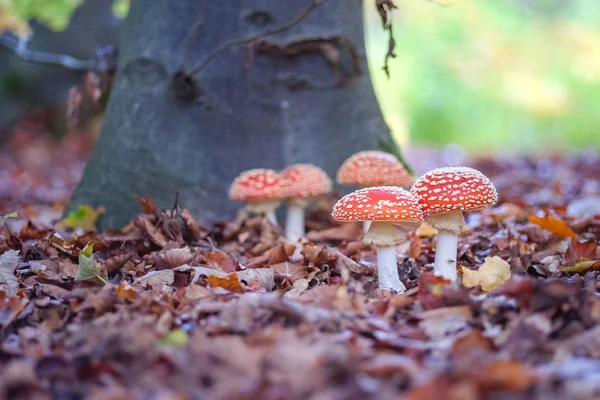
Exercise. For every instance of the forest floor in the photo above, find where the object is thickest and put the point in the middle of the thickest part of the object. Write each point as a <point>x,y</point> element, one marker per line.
<point>168,309</point>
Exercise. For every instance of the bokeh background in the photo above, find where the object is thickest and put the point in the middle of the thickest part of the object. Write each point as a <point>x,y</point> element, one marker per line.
<point>488,75</point>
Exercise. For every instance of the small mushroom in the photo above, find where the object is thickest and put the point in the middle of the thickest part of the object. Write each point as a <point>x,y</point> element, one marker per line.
<point>301,183</point>
<point>444,194</point>
<point>385,207</point>
<point>261,189</point>
<point>373,168</point>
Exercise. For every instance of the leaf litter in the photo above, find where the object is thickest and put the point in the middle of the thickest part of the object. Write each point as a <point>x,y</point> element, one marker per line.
<point>167,308</point>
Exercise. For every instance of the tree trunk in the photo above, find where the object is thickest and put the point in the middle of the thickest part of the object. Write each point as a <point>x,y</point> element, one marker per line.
<point>303,95</point>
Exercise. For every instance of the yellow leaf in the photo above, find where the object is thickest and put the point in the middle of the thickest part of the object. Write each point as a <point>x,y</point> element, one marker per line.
<point>84,217</point>
<point>426,231</point>
<point>556,226</point>
<point>582,266</point>
<point>492,274</point>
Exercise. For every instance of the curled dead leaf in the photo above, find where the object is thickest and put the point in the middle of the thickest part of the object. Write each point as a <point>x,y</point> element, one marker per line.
<point>493,273</point>
<point>125,291</point>
<point>177,257</point>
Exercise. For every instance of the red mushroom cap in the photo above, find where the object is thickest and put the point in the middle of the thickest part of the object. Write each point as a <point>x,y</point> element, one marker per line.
<point>381,203</point>
<point>304,180</point>
<point>256,185</point>
<point>373,168</point>
<point>454,189</point>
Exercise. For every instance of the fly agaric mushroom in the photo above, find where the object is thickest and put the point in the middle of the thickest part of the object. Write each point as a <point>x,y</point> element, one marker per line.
<point>384,206</point>
<point>444,194</point>
<point>261,189</point>
<point>373,168</point>
<point>302,182</point>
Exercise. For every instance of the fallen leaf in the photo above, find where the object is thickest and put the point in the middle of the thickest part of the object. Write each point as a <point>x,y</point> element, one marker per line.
<point>176,338</point>
<point>166,276</point>
<point>8,262</point>
<point>125,291</point>
<point>197,272</point>
<point>582,267</point>
<point>580,251</point>
<point>347,232</point>
<point>554,225</point>
<point>299,287</point>
<point>506,375</point>
<point>290,270</point>
<point>430,291</point>
<point>90,269</point>
<point>155,235</point>
<point>85,218</point>
<point>426,231</point>
<point>230,282</point>
<point>177,257</point>
<point>220,259</point>
<point>492,274</point>
<point>262,277</point>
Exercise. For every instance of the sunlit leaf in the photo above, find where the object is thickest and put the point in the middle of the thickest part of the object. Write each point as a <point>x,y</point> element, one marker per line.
<point>177,338</point>
<point>230,282</point>
<point>554,225</point>
<point>492,274</point>
<point>85,218</point>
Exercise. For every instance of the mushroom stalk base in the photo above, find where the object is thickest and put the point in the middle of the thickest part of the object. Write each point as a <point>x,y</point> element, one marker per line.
<point>294,223</point>
<point>272,217</point>
<point>445,254</point>
<point>387,270</point>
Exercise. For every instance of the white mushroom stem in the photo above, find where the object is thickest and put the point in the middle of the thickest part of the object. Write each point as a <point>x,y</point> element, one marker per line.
<point>384,236</point>
<point>366,226</point>
<point>265,207</point>
<point>294,223</point>
<point>449,226</point>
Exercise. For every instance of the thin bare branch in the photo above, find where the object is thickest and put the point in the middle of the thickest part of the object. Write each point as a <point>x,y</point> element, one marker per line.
<point>18,44</point>
<point>193,32</point>
<point>268,32</point>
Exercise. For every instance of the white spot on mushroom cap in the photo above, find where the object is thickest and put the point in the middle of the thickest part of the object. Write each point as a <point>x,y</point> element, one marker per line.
<point>454,189</point>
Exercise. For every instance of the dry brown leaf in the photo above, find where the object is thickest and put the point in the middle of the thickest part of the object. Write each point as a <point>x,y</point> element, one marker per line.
<point>506,375</point>
<point>347,232</point>
<point>492,274</point>
<point>580,251</point>
<point>554,225</point>
<point>219,259</point>
<point>262,277</point>
<point>230,282</point>
<point>281,253</point>
<point>155,235</point>
<point>430,292</point>
<point>290,270</point>
<point>299,287</point>
<point>177,257</point>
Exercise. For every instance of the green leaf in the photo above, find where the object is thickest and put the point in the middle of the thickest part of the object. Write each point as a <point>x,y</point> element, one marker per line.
<point>177,337</point>
<point>89,269</point>
<point>10,216</point>
<point>85,217</point>
<point>120,8</point>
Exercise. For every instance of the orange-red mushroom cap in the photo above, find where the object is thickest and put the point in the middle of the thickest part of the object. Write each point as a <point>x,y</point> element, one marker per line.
<point>256,185</point>
<point>304,180</point>
<point>382,203</point>
<point>373,168</point>
<point>454,189</point>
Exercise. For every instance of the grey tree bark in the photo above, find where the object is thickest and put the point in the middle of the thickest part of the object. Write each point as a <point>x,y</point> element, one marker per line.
<point>303,95</point>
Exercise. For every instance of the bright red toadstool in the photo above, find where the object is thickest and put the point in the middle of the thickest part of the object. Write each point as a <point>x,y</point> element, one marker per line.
<point>261,189</point>
<point>384,206</point>
<point>444,194</point>
<point>373,168</point>
<point>302,182</point>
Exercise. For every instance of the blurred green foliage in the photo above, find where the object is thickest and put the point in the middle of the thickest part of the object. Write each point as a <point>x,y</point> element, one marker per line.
<point>491,74</point>
<point>54,13</point>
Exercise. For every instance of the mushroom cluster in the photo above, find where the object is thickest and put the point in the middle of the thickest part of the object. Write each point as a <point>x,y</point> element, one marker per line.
<point>386,208</point>
<point>265,189</point>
